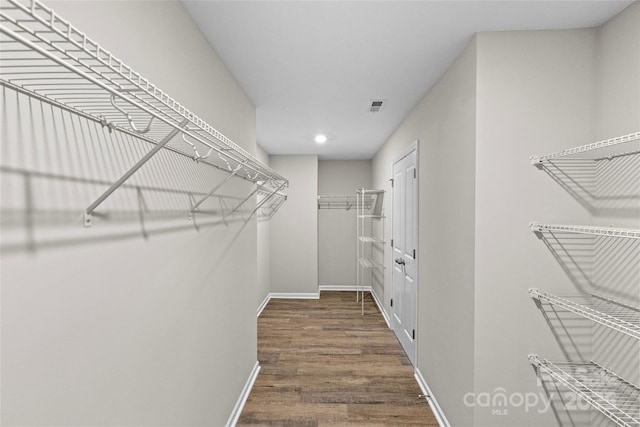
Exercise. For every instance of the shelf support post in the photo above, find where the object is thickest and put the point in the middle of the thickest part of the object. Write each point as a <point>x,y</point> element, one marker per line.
<point>88,213</point>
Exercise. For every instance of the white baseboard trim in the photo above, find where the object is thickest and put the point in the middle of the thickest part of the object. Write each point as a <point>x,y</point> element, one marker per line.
<point>244,395</point>
<point>294,295</point>
<point>263,304</point>
<point>381,308</point>
<point>285,295</point>
<point>343,288</point>
<point>433,403</point>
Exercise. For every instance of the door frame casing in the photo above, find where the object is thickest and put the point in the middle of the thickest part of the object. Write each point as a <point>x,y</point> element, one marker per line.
<point>415,145</point>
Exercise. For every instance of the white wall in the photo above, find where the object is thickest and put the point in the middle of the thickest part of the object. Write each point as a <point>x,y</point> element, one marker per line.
<point>337,227</point>
<point>263,251</point>
<point>535,95</point>
<point>294,229</point>
<point>617,264</point>
<point>104,326</point>
<point>509,96</point>
<point>444,123</point>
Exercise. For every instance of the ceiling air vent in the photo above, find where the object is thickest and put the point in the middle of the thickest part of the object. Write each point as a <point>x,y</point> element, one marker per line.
<point>377,105</point>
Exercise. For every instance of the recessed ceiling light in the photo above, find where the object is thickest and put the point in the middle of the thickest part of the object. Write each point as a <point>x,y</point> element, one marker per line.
<point>320,139</point>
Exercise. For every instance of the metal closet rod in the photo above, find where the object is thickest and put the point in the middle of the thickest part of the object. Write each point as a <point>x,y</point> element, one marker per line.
<point>237,154</point>
<point>539,160</point>
<point>343,202</point>
<point>580,229</point>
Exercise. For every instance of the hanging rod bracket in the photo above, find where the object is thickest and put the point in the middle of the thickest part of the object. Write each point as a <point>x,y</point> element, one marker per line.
<point>109,125</point>
<point>128,116</point>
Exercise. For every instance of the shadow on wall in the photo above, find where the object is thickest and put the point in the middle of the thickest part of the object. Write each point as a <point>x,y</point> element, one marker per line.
<point>571,332</point>
<point>54,164</point>
<point>605,272</point>
<point>604,186</point>
<point>575,255</point>
<point>567,408</point>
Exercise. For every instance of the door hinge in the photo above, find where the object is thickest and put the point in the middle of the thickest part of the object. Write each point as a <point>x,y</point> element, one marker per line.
<point>391,302</point>
<point>391,182</point>
<point>413,335</point>
<point>391,242</point>
<point>415,171</point>
<point>414,254</point>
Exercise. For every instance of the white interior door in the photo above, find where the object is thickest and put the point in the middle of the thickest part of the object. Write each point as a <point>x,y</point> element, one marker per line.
<point>404,251</point>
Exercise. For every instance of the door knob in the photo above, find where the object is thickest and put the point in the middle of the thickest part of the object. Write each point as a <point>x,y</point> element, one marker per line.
<point>400,261</point>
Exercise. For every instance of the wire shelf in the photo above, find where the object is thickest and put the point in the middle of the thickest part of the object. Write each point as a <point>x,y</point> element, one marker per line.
<point>594,150</point>
<point>579,229</point>
<point>605,311</point>
<point>47,58</point>
<point>605,391</point>
<point>344,202</point>
<point>365,191</point>
<point>269,201</point>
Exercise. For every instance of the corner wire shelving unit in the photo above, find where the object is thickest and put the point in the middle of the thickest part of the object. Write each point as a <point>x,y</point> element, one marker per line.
<point>593,151</point>
<point>45,57</point>
<point>369,204</point>
<point>613,396</point>
<point>343,202</point>
<point>605,391</point>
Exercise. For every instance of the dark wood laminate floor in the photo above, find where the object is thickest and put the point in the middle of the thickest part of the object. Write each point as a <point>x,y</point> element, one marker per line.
<point>325,364</point>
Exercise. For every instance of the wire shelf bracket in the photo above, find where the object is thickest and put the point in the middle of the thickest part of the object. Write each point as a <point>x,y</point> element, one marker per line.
<point>605,311</point>
<point>539,228</point>
<point>88,213</point>
<point>604,390</point>
<point>538,161</point>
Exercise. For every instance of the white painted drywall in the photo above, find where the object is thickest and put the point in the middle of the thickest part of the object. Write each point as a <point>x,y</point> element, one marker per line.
<point>263,252</point>
<point>536,92</point>
<point>617,263</point>
<point>508,96</point>
<point>444,123</point>
<point>337,227</point>
<point>103,326</point>
<point>294,229</point>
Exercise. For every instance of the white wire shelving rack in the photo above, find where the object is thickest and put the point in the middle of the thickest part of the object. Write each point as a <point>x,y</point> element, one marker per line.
<point>626,233</point>
<point>605,311</point>
<point>369,205</point>
<point>594,151</point>
<point>343,202</point>
<point>605,391</point>
<point>47,58</point>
